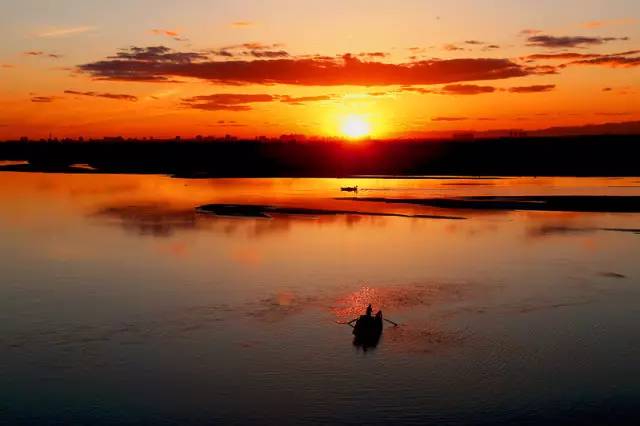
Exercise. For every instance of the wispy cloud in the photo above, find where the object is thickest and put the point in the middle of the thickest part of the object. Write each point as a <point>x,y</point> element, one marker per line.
<point>473,89</point>
<point>43,99</point>
<point>449,118</point>
<point>373,54</point>
<point>611,61</point>
<point>115,96</point>
<point>548,41</point>
<point>560,56</point>
<point>65,32</point>
<point>538,88</point>
<point>42,54</point>
<point>596,24</point>
<point>255,49</point>
<point>452,47</point>
<point>226,101</point>
<point>242,102</point>
<point>626,59</point>
<point>613,114</point>
<point>530,32</point>
<point>466,89</point>
<point>304,99</point>
<point>159,63</point>
<point>174,34</point>
<point>242,24</point>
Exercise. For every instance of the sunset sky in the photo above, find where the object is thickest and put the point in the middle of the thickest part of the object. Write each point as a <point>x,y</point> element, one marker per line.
<point>329,68</point>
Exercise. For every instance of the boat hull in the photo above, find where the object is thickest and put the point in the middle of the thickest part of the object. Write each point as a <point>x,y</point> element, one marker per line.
<point>367,331</point>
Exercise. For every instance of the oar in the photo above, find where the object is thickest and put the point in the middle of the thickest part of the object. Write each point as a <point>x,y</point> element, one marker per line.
<point>348,323</point>
<point>392,322</point>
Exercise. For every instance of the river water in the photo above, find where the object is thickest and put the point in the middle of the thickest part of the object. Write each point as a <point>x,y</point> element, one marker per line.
<point>119,303</point>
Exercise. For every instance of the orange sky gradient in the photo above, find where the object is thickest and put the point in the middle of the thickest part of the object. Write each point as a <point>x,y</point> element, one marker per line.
<point>351,69</point>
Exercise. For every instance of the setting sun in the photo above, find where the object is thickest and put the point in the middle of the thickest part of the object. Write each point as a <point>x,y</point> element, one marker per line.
<point>355,126</point>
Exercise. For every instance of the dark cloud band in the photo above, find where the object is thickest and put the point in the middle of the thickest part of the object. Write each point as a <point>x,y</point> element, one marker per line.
<point>162,64</point>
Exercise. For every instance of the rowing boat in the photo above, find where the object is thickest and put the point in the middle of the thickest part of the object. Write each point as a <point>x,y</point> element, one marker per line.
<point>368,329</point>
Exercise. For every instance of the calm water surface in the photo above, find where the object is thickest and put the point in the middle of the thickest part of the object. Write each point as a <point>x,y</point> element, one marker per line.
<point>120,304</point>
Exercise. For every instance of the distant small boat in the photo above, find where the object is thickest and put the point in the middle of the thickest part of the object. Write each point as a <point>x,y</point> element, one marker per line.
<point>367,330</point>
<point>349,188</point>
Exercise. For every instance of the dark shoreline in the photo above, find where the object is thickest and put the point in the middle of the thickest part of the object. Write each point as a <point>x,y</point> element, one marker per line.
<point>587,156</point>
<point>267,212</point>
<point>549,203</point>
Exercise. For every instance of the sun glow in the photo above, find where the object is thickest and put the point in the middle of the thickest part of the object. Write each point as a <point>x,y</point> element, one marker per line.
<point>355,126</point>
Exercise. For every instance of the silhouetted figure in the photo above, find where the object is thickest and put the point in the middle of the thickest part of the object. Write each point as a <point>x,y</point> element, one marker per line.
<point>378,315</point>
<point>369,310</point>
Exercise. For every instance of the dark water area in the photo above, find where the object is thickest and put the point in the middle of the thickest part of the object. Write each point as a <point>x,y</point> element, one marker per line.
<point>121,302</point>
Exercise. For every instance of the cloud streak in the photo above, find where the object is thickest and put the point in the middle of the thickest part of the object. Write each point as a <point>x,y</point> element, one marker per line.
<point>254,49</point>
<point>548,41</point>
<point>538,88</point>
<point>115,96</point>
<point>42,54</point>
<point>175,35</point>
<point>449,118</point>
<point>65,32</point>
<point>626,59</point>
<point>472,89</point>
<point>466,89</point>
<point>242,24</point>
<point>226,101</point>
<point>242,102</point>
<point>610,61</point>
<point>159,63</point>
<point>43,99</point>
<point>591,25</point>
<point>291,100</point>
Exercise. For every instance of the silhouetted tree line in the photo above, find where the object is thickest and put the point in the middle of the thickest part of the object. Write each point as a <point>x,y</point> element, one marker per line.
<point>563,156</point>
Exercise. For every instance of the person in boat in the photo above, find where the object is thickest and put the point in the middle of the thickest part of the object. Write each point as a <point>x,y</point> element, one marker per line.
<point>367,316</point>
<point>379,315</point>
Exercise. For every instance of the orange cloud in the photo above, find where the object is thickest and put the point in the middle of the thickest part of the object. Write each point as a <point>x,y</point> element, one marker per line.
<point>561,56</point>
<point>579,57</point>
<point>159,63</point>
<point>241,102</point>
<point>373,55</point>
<point>466,89</point>
<point>449,118</point>
<point>533,89</point>
<point>626,59</point>
<point>472,89</point>
<point>43,54</point>
<point>168,33</point>
<point>64,32</point>
<point>115,96</point>
<point>43,99</point>
<point>609,23</point>
<point>611,61</point>
<point>548,41</point>
<point>452,47</point>
<point>301,100</point>
<point>225,101</point>
<point>242,24</point>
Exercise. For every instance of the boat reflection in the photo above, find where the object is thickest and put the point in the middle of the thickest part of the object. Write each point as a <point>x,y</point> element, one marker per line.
<point>367,343</point>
